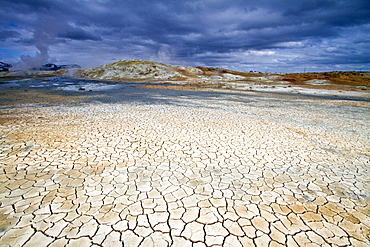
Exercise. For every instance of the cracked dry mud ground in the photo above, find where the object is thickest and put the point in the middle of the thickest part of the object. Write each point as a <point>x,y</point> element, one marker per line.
<point>195,173</point>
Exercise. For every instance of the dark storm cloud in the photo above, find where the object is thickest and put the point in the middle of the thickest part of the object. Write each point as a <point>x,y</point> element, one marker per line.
<point>4,35</point>
<point>79,34</point>
<point>207,32</point>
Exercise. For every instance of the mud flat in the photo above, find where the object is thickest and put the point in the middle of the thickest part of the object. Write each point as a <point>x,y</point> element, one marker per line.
<point>154,167</point>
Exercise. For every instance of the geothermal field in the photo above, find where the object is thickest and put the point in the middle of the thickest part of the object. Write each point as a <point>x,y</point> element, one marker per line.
<point>220,159</point>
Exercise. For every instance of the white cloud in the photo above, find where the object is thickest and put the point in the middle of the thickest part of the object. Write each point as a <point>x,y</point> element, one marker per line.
<point>261,53</point>
<point>291,44</point>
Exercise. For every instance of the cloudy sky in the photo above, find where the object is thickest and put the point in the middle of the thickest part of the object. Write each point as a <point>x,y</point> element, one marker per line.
<point>262,35</point>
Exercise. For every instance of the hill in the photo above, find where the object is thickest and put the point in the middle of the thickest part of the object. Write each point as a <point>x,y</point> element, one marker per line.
<point>147,70</point>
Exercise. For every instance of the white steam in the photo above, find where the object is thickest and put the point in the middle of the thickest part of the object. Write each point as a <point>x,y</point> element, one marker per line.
<point>43,37</point>
<point>29,62</point>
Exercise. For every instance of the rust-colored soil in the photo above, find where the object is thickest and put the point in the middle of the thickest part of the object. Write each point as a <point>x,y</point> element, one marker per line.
<point>349,78</point>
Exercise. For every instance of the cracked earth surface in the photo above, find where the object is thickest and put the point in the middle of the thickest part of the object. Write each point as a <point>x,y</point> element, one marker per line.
<point>195,173</point>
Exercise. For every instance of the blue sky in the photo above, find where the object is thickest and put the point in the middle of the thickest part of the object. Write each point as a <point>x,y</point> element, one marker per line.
<point>262,35</point>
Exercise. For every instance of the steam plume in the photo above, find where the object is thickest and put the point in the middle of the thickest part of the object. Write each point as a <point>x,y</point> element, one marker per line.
<point>43,36</point>
<point>41,57</point>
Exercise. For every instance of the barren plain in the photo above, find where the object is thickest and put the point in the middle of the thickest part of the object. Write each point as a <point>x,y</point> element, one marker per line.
<point>146,166</point>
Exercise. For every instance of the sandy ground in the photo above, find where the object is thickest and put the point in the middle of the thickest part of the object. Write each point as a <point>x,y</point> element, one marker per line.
<point>188,170</point>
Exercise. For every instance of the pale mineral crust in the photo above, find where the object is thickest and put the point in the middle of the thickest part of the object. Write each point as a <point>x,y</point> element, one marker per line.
<point>200,172</point>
